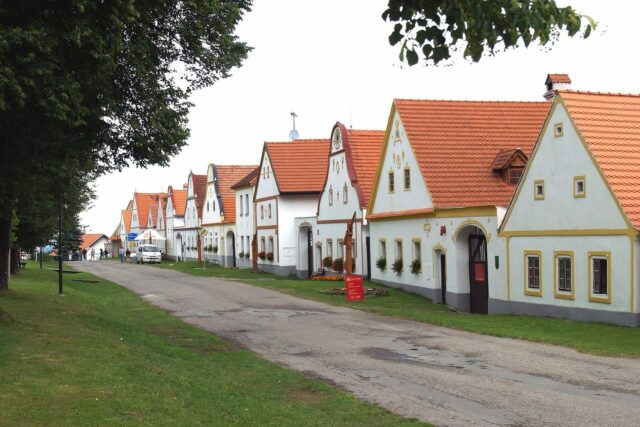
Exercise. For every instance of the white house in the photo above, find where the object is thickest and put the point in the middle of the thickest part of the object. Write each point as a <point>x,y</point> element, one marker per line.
<point>572,228</point>
<point>347,189</point>
<point>94,242</point>
<point>291,177</point>
<point>245,219</point>
<point>191,242</point>
<point>160,222</point>
<point>221,243</point>
<point>447,172</point>
<point>174,214</point>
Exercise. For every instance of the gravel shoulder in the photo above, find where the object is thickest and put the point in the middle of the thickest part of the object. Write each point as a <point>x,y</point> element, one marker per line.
<point>436,374</point>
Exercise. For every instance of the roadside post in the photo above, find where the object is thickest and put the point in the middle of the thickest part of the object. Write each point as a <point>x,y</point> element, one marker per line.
<point>352,282</point>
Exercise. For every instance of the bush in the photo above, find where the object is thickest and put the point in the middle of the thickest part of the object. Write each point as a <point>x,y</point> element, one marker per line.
<point>247,255</point>
<point>269,256</point>
<point>416,266</point>
<point>381,263</point>
<point>262,255</point>
<point>327,261</point>
<point>337,265</point>
<point>241,255</point>
<point>397,266</point>
<point>215,249</point>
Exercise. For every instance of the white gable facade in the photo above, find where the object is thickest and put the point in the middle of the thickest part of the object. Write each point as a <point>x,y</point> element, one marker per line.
<point>570,246</point>
<point>192,221</point>
<point>245,224</point>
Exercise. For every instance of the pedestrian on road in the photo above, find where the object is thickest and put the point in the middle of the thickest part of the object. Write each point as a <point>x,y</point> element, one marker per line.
<point>128,256</point>
<point>84,254</point>
<point>121,254</point>
<point>101,253</point>
<point>93,254</point>
<point>106,254</point>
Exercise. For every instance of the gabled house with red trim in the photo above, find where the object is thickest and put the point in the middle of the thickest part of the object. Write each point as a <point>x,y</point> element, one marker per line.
<point>196,191</point>
<point>174,214</point>
<point>444,180</point>
<point>572,229</point>
<point>291,178</point>
<point>351,169</point>
<point>222,244</point>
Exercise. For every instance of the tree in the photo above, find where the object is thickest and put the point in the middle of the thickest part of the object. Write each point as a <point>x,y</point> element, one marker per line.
<point>434,28</point>
<point>86,87</point>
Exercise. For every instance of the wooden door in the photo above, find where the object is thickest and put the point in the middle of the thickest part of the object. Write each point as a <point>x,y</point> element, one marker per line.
<point>443,278</point>
<point>309,252</point>
<point>478,278</point>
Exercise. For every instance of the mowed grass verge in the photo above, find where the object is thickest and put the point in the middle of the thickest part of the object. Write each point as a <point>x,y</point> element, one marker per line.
<point>595,338</point>
<point>102,356</point>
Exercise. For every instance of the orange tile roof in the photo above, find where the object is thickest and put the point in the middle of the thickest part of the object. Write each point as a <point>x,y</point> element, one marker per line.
<point>90,239</point>
<point>126,215</point>
<point>199,191</point>
<point>250,179</point>
<point>610,125</point>
<point>558,78</point>
<point>456,142</point>
<point>362,152</point>
<point>299,166</point>
<point>144,202</point>
<point>179,201</point>
<point>227,176</point>
<point>504,158</point>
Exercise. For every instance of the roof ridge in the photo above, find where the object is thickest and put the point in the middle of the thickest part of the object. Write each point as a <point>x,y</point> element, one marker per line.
<point>587,92</point>
<point>469,101</point>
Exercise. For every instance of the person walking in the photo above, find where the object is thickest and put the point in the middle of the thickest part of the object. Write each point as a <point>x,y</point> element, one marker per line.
<point>93,254</point>
<point>101,253</point>
<point>84,254</point>
<point>121,254</point>
<point>106,254</point>
<point>128,256</point>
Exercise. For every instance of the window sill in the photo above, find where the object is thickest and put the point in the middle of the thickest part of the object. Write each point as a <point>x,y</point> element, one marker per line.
<point>600,300</point>
<point>533,293</point>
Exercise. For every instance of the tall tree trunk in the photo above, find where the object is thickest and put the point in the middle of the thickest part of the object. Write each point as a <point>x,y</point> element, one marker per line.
<point>5,250</point>
<point>14,260</point>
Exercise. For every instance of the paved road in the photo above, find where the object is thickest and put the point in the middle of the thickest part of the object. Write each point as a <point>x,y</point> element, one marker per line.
<point>436,374</point>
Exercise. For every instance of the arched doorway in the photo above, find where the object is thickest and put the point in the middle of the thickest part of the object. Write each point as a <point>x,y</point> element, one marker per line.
<point>179,247</point>
<point>440,271</point>
<point>472,267</point>
<point>230,249</point>
<point>305,250</point>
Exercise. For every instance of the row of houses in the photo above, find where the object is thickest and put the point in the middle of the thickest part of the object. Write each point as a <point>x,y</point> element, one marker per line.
<point>488,207</point>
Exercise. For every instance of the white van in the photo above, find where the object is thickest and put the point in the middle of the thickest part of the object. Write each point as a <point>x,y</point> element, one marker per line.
<point>148,253</point>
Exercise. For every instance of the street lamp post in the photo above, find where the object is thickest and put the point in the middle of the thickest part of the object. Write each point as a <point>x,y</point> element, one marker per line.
<point>60,285</point>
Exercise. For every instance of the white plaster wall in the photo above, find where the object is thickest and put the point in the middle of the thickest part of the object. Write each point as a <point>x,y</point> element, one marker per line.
<point>557,161</point>
<point>400,200</point>
<point>244,223</point>
<point>336,232</point>
<point>337,177</point>
<point>267,185</point>
<point>456,252</point>
<point>211,208</point>
<point>619,246</point>
<point>289,208</point>
<point>263,207</point>
<point>99,244</point>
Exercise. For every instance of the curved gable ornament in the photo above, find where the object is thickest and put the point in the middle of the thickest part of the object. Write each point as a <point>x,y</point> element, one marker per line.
<point>336,139</point>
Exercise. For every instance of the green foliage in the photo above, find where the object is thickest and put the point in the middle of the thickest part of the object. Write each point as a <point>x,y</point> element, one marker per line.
<point>269,256</point>
<point>327,261</point>
<point>337,265</point>
<point>397,266</point>
<point>434,29</point>
<point>262,255</point>
<point>381,263</point>
<point>416,266</point>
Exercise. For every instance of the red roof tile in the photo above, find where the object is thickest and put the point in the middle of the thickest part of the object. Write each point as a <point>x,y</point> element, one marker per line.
<point>456,142</point>
<point>362,150</point>
<point>144,202</point>
<point>179,201</point>
<point>227,176</point>
<point>199,191</point>
<point>558,78</point>
<point>504,158</point>
<point>126,216</point>
<point>299,166</point>
<point>610,125</point>
<point>250,179</point>
<point>90,239</point>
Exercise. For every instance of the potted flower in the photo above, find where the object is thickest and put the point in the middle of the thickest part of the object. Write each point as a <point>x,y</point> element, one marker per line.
<point>337,265</point>
<point>416,266</point>
<point>269,256</point>
<point>246,255</point>
<point>215,249</point>
<point>397,266</point>
<point>381,263</point>
<point>327,261</point>
<point>262,255</point>
<point>241,255</point>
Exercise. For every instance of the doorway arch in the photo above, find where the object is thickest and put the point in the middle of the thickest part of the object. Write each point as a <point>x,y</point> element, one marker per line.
<point>230,249</point>
<point>178,247</point>
<point>472,267</point>
<point>305,250</point>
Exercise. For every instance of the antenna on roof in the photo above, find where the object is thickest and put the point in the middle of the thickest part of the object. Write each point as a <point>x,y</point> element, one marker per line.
<point>293,134</point>
<point>350,118</point>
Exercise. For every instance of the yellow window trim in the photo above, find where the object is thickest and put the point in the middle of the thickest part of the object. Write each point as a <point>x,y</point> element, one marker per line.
<point>395,247</point>
<point>596,298</point>
<point>528,291</point>
<point>577,195</point>
<point>537,196</point>
<point>389,174</point>
<point>419,242</point>
<point>558,133</point>
<point>404,181</point>
<point>558,294</point>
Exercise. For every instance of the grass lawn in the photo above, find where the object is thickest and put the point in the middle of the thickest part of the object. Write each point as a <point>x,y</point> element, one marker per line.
<point>593,338</point>
<point>101,356</point>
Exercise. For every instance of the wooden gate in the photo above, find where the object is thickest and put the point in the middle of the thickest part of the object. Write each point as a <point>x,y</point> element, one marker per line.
<point>443,278</point>
<point>309,252</point>
<point>478,278</point>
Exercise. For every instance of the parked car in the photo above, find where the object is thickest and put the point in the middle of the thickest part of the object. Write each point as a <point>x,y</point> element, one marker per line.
<point>147,253</point>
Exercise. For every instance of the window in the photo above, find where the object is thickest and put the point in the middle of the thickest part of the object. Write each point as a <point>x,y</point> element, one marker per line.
<point>269,210</point>
<point>261,211</point>
<point>330,248</point>
<point>538,189</point>
<point>340,249</point>
<point>563,275</point>
<point>213,206</point>
<point>208,208</point>
<point>246,204</point>
<point>417,250</point>
<point>398,254</point>
<point>407,179</point>
<point>558,129</point>
<point>344,194</point>
<point>392,185</point>
<point>514,174</point>
<point>532,264</point>
<point>239,202</point>
<point>599,277</point>
<point>383,248</point>
<point>270,244</point>
<point>330,195</point>
<point>579,187</point>
<point>262,244</point>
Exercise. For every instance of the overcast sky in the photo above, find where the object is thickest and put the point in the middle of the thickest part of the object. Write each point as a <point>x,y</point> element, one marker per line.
<point>330,61</point>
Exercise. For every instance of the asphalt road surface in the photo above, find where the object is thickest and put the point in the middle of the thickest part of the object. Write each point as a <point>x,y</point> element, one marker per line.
<point>436,374</point>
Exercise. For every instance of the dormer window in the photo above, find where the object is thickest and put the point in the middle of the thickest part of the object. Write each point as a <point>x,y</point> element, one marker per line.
<point>514,174</point>
<point>510,164</point>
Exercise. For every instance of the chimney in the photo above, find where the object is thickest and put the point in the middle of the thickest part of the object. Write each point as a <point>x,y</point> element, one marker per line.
<point>184,186</point>
<point>554,83</point>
